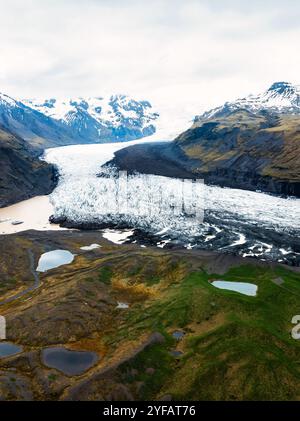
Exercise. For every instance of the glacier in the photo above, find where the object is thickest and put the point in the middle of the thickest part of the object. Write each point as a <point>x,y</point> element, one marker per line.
<point>235,221</point>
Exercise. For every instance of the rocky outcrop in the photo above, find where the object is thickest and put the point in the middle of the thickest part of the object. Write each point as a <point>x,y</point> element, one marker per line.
<point>22,174</point>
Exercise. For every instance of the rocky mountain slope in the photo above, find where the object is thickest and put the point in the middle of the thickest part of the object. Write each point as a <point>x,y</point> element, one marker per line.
<point>22,174</point>
<point>37,129</point>
<point>250,144</point>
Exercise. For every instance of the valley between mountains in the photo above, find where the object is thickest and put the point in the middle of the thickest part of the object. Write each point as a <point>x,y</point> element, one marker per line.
<point>125,305</point>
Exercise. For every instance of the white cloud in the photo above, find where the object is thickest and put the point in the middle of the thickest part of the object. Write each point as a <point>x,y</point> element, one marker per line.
<point>187,55</point>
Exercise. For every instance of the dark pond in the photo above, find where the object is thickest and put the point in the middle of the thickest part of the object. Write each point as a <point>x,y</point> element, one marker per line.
<point>71,363</point>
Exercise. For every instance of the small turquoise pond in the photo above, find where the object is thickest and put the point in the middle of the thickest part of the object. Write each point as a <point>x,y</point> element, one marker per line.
<point>241,287</point>
<point>54,259</point>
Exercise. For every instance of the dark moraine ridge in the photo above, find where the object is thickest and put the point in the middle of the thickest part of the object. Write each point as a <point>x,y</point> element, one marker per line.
<point>23,175</point>
<point>159,158</point>
<point>167,159</point>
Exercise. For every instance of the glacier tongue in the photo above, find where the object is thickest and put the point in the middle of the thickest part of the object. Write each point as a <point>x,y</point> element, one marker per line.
<point>82,197</point>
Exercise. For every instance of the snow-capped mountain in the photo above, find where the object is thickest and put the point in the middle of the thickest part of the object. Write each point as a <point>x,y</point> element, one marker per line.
<point>54,122</point>
<point>38,129</point>
<point>7,101</point>
<point>281,97</point>
<point>98,119</point>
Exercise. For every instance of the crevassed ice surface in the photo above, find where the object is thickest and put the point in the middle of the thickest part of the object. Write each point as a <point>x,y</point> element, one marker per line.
<point>249,223</point>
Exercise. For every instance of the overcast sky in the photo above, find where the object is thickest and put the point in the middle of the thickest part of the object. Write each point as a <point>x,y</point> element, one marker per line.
<point>190,53</point>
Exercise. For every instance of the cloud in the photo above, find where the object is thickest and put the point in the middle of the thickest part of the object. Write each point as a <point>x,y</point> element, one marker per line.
<point>187,55</point>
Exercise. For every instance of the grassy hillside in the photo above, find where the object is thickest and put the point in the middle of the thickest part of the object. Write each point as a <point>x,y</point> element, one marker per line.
<point>234,347</point>
<point>259,145</point>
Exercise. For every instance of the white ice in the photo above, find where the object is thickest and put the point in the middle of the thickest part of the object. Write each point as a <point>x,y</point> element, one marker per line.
<point>81,196</point>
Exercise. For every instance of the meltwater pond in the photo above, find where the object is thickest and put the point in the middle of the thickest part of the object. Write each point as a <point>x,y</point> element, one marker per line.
<point>71,363</point>
<point>7,349</point>
<point>241,287</point>
<point>53,259</point>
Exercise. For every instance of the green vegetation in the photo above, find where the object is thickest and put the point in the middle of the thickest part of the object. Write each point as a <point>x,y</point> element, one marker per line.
<point>52,377</point>
<point>149,369</point>
<point>243,134</point>
<point>235,346</point>
<point>8,283</point>
<point>105,275</point>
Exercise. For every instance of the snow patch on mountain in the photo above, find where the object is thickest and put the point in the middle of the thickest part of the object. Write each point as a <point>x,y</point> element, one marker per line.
<point>6,100</point>
<point>281,97</point>
<point>107,112</point>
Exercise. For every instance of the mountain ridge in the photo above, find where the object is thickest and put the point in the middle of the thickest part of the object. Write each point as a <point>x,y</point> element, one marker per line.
<point>39,130</point>
<point>53,122</point>
<point>279,98</point>
<point>113,117</point>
